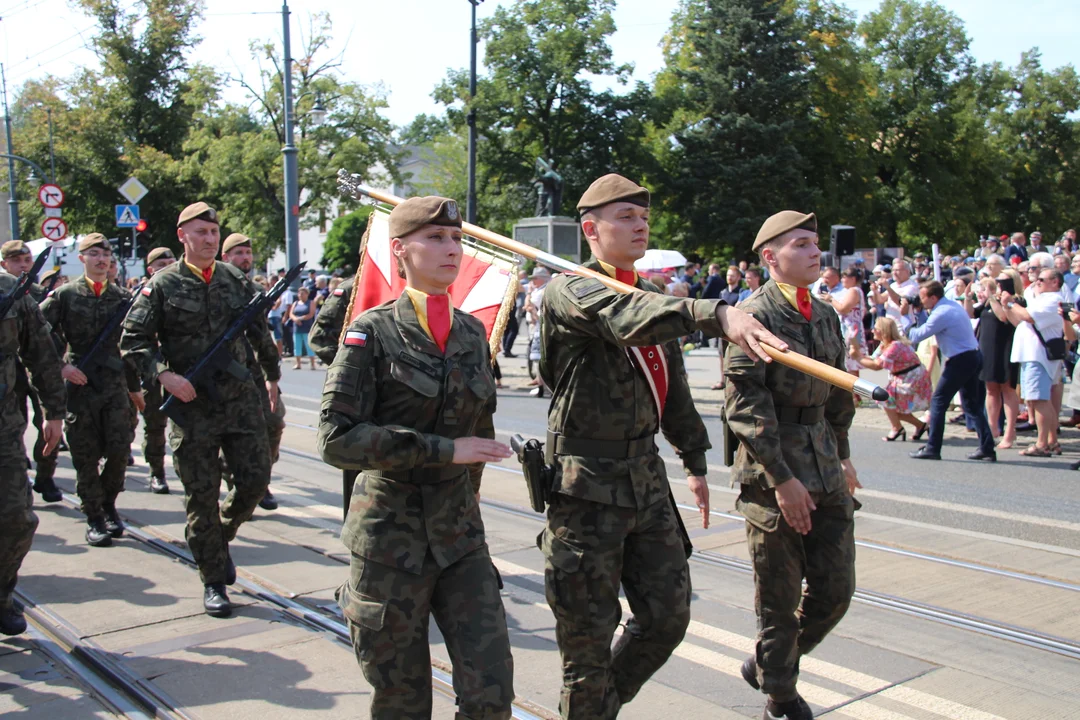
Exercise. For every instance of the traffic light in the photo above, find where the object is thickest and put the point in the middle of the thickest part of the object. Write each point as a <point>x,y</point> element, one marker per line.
<point>142,238</point>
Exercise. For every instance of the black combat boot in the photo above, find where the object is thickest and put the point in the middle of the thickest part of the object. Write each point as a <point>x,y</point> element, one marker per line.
<point>268,502</point>
<point>12,621</point>
<point>158,486</point>
<point>46,486</point>
<point>96,532</point>
<point>749,672</point>
<point>796,709</point>
<point>230,570</point>
<point>113,523</point>
<point>216,601</point>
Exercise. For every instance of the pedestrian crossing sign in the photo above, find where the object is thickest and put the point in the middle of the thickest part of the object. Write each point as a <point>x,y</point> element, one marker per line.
<point>127,216</point>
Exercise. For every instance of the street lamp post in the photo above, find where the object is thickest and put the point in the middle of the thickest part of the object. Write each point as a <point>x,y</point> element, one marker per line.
<point>13,201</point>
<point>470,204</point>
<point>292,195</point>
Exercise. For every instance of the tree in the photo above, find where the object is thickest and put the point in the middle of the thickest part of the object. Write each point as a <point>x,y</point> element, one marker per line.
<point>536,101</point>
<point>741,87</point>
<point>237,151</point>
<point>128,118</point>
<point>938,175</point>
<point>342,246</point>
<point>1034,129</point>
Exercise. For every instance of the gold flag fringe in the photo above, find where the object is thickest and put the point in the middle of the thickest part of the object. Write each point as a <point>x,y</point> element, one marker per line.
<point>356,278</point>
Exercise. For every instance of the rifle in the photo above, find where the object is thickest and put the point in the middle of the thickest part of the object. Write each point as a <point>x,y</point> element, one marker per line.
<point>92,361</point>
<point>217,357</point>
<point>22,286</point>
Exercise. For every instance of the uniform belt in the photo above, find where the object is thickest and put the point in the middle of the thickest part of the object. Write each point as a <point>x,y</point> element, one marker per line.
<point>589,447</point>
<point>420,476</point>
<point>800,415</point>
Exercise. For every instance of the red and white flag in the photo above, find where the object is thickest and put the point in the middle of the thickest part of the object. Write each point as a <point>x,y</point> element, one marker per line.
<point>486,285</point>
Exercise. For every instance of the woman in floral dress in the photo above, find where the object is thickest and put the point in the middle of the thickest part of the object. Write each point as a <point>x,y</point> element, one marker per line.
<point>909,384</point>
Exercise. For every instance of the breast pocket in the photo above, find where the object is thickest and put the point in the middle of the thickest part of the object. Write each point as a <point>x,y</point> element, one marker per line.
<point>183,315</point>
<point>419,382</point>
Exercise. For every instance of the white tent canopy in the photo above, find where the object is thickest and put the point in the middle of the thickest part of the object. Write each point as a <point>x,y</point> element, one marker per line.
<point>41,244</point>
<point>660,259</point>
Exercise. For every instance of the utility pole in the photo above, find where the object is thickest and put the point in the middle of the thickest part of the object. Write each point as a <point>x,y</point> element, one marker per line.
<point>470,204</point>
<point>13,202</point>
<point>292,199</point>
<point>52,156</point>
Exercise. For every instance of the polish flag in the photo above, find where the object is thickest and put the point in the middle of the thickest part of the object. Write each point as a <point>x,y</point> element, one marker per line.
<point>486,286</point>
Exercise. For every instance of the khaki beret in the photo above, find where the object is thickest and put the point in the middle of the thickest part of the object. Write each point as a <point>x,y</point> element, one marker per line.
<point>48,274</point>
<point>783,222</point>
<point>612,188</point>
<point>415,213</point>
<point>94,240</point>
<point>13,248</point>
<point>157,253</point>
<point>235,240</point>
<point>198,211</point>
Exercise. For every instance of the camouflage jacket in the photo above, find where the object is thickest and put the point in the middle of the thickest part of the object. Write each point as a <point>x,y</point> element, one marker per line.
<point>177,316</point>
<point>599,394</point>
<point>326,333</point>
<point>771,452</point>
<point>392,406</point>
<point>38,292</point>
<point>25,340</point>
<point>77,317</point>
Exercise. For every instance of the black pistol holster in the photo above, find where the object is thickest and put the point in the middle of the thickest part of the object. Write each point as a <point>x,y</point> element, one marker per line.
<point>538,474</point>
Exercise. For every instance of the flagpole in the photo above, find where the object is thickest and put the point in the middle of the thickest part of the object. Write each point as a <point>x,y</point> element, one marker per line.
<point>828,373</point>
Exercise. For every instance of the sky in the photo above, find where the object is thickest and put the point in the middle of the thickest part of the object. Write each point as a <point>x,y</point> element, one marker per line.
<point>41,37</point>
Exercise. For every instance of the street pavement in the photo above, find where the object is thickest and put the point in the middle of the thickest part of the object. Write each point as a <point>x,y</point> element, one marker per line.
<point>994,543</point>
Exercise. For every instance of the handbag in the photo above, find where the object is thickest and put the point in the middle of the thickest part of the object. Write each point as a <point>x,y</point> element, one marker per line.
<point>1056,349</point>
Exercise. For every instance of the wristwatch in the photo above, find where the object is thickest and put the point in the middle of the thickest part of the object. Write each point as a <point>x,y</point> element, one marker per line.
<point>1009,305</point>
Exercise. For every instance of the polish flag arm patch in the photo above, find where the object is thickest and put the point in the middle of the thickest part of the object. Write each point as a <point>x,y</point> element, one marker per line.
<point>146,291</point>
<point>338,292</point>
<point>354,338</point>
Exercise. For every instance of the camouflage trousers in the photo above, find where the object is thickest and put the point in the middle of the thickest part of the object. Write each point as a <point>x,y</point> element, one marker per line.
<point>275,427</point>
<point>590,549</point>
<point>45,465</point>
<point>98,426</point>
<point>154,426</point>
<point>793,621</point>
<point>235,427</point>
<point>17,519</point>
<point>388,610</point>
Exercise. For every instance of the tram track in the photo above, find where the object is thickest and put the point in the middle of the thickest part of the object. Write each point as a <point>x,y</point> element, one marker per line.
<point>326,620</point>
<point>106,678</point>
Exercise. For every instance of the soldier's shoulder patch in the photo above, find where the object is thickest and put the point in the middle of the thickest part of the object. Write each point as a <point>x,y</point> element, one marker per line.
<point>338,292</point>
<point>355,338</point>
<point>586,287</point>
<point>146,291</point>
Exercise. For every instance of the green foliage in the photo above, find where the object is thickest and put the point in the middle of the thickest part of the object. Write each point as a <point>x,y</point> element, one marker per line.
<point>342,246</point>
<point>536,101</point>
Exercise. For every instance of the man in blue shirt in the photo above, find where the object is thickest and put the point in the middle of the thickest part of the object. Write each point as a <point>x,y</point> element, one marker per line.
<point>950,324</point>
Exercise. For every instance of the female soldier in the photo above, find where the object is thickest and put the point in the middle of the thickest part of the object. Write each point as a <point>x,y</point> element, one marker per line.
<point>408,401</point>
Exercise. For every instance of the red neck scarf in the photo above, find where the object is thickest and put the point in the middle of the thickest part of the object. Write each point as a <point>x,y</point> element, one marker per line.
<point>98,287</point>
<point>438,319</point>
<point>628,277</point>
<point>802,299</point>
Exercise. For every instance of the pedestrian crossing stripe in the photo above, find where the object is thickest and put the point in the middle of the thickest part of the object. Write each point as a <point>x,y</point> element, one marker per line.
<point>355,339</point>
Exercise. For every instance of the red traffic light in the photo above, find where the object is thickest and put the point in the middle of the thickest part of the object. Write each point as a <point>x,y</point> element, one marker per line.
<point>141,226</point>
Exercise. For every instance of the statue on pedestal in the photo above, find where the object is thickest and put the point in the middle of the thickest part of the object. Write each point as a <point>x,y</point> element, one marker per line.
<point>549,189</point>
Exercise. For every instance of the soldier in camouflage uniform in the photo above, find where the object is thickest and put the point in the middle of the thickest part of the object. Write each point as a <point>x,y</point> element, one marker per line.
<point>793,468</point>
<point>180,313</point>
<point>17,259</point>
<point>326,332</point>
<point>617,378</point>
<point>236,250</point>
<point>408,402</point>
<point>154,421</point>
<point>98,422</point>
<point>25,342</point>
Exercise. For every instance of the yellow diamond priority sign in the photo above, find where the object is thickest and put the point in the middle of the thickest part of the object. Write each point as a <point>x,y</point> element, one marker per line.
<point>133,190</point>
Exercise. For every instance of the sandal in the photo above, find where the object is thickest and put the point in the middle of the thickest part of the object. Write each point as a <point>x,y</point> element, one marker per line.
<point>1003,445</point>
<point>1055,448</point>
<point>895,435</point>
<point>1036,451</point>
<point>718,386</point>
<point>920,432</point>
